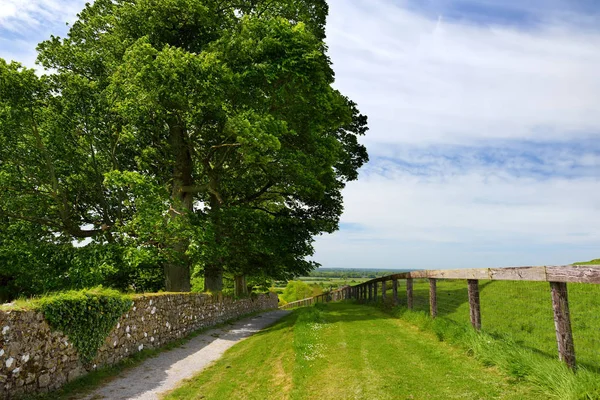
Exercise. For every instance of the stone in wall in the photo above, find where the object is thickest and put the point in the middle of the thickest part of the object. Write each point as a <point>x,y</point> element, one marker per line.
<point>34,359</point>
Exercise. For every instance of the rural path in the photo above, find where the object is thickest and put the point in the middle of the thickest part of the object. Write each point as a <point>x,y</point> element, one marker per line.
<point>165,371</point>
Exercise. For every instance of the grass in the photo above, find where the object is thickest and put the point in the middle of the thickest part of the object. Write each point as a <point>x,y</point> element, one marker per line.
<point>593,262</point>
<point>348,351</point>
<point>521,311</point>
<point>552,379</point>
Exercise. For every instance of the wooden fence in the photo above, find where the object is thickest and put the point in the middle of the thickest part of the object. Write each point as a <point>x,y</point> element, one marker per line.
<point>557,276</point>
<point>334,295</point>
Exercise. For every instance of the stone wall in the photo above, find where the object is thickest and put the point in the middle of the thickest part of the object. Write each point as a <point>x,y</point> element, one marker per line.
<point>33,358</point>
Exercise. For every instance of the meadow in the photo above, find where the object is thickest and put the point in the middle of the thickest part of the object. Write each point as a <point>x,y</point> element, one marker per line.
<point>348,351</point>
<point>377,350</point>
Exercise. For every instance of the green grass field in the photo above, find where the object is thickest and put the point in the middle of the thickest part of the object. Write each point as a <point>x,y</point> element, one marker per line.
<point>349,351</point>
<point>592,262</point>
<point>521,311</point>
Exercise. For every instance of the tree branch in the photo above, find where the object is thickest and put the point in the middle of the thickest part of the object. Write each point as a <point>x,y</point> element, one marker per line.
<point>254,196</point>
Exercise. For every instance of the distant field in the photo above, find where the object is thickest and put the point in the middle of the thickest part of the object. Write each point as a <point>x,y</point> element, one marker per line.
<point>334,278</point>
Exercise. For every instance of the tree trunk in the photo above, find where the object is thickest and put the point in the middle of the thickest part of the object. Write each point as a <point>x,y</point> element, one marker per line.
<point>213,273</point>
<point>177,277</point>
<point>213,278</point>
<point>177,268</point>
<point>241,288</point>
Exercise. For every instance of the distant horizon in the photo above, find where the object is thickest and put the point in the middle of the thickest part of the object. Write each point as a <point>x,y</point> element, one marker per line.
<point>422,269</point>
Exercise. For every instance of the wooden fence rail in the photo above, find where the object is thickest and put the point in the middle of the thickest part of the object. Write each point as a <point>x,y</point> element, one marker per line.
<point>557,276</point>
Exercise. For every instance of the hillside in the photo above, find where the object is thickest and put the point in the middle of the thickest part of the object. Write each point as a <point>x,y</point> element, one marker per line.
<point>593,262</point>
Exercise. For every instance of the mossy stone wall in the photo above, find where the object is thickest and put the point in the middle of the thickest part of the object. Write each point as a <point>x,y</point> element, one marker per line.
<point>34,358</point>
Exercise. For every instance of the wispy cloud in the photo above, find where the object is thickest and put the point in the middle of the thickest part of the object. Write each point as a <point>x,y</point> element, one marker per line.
<point>426,79</point>
<point>484,139</point>
<point>23,24</point>
<point>25,17</point>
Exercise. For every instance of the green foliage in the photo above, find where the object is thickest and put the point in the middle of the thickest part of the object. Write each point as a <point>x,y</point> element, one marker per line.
<point>182,132</point>
<point>298,290</point>
<point>86,316</point>
<point>197,284</point>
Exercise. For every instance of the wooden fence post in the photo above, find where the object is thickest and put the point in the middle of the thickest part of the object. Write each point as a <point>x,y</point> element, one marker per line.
<point>395,291</point>
<point>474,305</point>
<point>409,293</point>
<point>432,297</point>
<point>562,323</point>
<point>383,290</point>
<point>375,292</point>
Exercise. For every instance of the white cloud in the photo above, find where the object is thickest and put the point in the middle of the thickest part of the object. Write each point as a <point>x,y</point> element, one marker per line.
<point>21,16</point>
<point>424,79</point>
<point>447,223</point>
<point>431,85</point>
<point>23,24</point>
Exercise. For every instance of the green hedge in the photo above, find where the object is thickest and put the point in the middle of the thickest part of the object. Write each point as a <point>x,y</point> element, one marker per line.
<point>86,316</point>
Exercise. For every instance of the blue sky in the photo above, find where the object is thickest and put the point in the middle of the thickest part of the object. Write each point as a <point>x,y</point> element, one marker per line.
<point>485,127</point>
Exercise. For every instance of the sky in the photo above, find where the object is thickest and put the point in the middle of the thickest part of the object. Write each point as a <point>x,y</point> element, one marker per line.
<point>484,127</point>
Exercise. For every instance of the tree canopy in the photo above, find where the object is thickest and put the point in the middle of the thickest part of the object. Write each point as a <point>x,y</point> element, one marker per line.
<point>186,134</point>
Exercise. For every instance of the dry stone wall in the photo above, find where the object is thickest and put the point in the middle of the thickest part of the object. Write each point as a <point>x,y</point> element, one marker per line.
<point>34,358</point>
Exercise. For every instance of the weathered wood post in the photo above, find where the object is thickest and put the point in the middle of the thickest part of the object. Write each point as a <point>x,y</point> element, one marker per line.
<point>395,291</point>
<point>383,290</point>
<point>562,323</point>
<point>433,297</point>
<point>409,293</point>
<point>474,306</point>
<point>375,284</point>
<point>370,291</point>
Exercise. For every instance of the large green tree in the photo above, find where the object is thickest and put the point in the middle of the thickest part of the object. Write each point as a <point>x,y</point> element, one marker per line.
<point>190,131</point>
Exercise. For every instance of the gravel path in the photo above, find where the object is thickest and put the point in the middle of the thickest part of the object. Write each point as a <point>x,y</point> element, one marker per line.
<point>164,372</point>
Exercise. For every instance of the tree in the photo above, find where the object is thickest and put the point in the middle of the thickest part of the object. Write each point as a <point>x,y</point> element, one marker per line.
<point>164,121</point>
<point>298,290</point>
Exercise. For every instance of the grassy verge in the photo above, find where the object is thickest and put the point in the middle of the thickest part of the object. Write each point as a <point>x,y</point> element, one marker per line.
<point>521,310</point>
<point>551,377</point>
<point>348,351</point>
